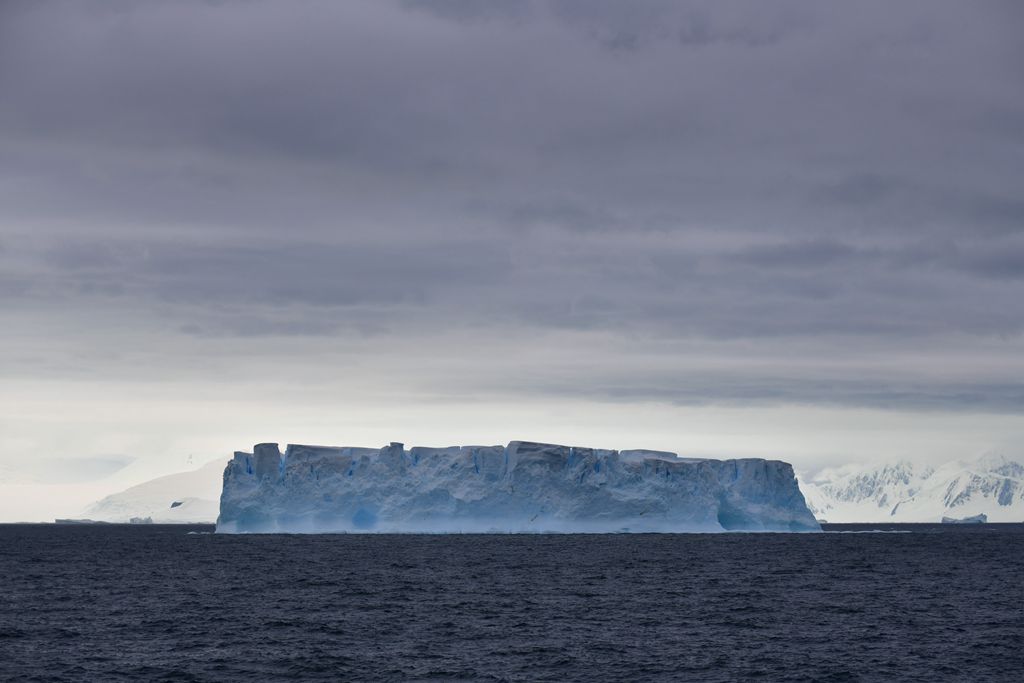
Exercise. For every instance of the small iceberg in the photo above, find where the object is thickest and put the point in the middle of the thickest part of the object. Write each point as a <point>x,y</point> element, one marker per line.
<point>974,519</point>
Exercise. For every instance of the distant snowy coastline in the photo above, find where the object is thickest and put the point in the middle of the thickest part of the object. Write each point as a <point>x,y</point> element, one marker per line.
<point>992,485</point>
<point>901,492</point>
<point>183,498</point>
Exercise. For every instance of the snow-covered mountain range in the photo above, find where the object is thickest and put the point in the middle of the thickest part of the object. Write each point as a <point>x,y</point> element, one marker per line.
<point>908,492</point>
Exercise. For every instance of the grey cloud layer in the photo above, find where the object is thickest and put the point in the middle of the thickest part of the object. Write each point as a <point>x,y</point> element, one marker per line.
<point>834,174</point>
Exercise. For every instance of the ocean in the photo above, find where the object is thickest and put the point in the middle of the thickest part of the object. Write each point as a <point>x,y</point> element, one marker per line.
<point>176,603</point>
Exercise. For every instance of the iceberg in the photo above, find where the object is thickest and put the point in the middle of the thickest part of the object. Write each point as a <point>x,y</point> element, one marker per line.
<point>520,488</point>
<point>973,519</point>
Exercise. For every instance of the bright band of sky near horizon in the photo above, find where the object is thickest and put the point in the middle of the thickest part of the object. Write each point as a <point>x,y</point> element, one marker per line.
<point>792,230</point>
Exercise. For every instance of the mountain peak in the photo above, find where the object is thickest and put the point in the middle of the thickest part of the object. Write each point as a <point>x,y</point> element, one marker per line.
<point>903,491</point>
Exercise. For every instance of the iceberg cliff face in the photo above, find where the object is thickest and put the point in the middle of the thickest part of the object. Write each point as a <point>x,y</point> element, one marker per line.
<point>524,487</point>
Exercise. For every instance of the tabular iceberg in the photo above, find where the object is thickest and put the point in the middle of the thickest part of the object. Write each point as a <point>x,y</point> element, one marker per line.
<point>524,487</point>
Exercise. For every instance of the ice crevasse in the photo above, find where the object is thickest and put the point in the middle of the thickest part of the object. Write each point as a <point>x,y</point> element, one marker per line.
<point>522,487</point>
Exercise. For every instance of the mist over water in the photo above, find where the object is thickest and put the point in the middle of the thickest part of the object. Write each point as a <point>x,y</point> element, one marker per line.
<point>167,603</point>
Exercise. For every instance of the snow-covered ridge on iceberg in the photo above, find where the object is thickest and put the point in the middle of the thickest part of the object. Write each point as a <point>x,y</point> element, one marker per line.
<point>524,487</point>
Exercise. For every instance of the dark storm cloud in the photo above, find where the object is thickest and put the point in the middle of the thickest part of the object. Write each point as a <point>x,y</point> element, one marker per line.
<point>280,275</point>
<point>650,170</point>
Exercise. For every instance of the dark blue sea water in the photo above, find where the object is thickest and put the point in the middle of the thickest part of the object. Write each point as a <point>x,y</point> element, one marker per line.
<point>155,603</point>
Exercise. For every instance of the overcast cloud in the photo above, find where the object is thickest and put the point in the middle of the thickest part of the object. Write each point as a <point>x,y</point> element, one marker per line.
<point>700,203</point>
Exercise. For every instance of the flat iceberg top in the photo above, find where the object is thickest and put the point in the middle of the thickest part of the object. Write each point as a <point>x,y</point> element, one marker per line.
<point>523,487</point>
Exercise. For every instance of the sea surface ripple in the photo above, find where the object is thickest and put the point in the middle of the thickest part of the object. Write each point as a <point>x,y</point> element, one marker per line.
<point>158,603</point>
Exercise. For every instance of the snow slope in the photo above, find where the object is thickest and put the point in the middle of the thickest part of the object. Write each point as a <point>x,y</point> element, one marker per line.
<point>198,492</point>
<point>522,487</point>
<point>906,492</point>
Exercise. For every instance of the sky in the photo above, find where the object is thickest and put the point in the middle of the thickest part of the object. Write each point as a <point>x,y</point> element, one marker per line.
<point>790,230</point>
